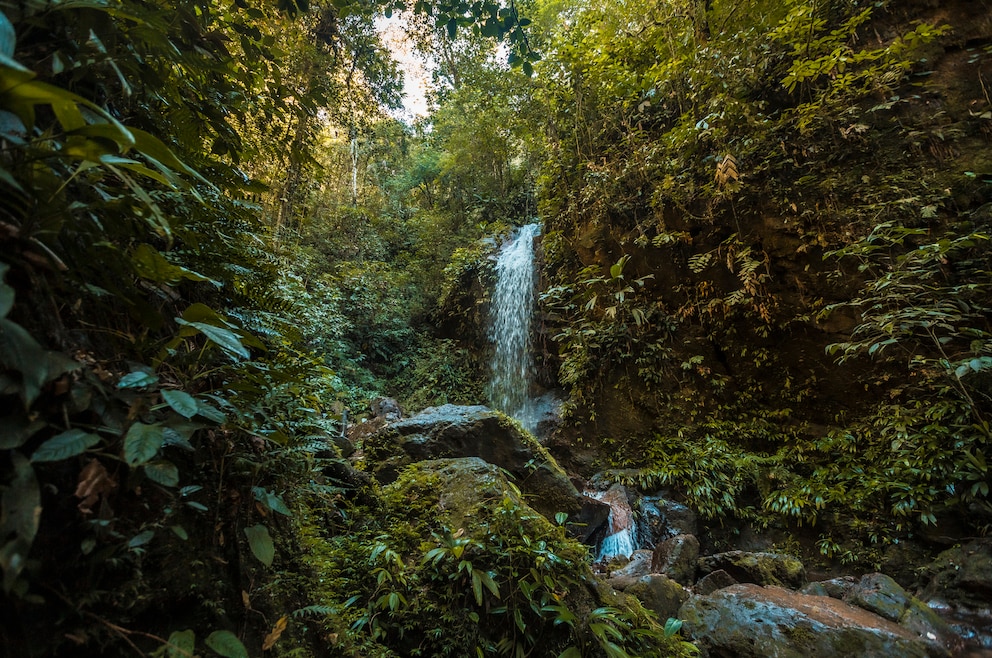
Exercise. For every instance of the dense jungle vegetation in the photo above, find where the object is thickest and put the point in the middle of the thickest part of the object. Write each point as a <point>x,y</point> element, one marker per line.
<point>766,286</point>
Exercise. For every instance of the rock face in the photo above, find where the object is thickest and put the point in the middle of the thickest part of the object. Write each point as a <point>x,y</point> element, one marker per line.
<point>749,621</point>
<point>959,585</point>
<point>639,565</point>
<point>387,409</point>
<point>962,576</point>
<point>676,558</point>
<point>660,594</point>
<point>711,582</point>
<point>880,594</point>
<point>463,486</point>
<point>759,568</point>
<point>452,431</point>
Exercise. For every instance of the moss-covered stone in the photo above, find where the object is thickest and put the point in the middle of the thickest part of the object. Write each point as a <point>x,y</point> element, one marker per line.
<point>659,594</point>
<point>452,431</point>
<point>760,568</point>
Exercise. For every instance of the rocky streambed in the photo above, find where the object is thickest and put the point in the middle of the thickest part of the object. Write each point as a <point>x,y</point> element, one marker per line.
<point>732,603</point>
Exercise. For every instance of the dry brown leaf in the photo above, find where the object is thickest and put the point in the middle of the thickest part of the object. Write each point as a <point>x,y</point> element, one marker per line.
<point>94,481</point>
<point>277,630</point>
<point>726,170</point>
<point>246,599</point>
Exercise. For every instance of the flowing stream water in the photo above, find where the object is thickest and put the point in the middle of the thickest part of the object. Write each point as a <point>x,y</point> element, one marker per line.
<point>512,310</point>
<point>621,532</point>
<point>510,384</point>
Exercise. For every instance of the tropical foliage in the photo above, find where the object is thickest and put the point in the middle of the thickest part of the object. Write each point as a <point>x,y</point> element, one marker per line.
<point>766,274</point>
<point>796,215</point>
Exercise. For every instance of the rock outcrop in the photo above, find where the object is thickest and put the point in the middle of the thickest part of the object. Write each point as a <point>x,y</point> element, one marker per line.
<point>759,568</point>
<point>676,558</point>
<point>452,431</point>
<point>750,621</point>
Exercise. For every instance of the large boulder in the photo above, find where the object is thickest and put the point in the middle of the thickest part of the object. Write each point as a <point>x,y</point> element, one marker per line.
<point>452,431</point>
<point>676,558</point>
<point>759,568</point>
<point>462,488</point>
<point>667,518</point>
<point>659,594</point>
<point>713,581</point>
<point>639,565</point>
<point>750,621</point>
<point>962,576</point>
<point>880,594</point>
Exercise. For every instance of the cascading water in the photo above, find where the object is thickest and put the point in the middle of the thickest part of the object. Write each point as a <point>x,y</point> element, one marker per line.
<point>512,309</point>
<point>621,532</point>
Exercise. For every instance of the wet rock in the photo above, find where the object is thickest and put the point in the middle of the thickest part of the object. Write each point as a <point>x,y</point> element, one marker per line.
<point>388,409</point>
<point>835,587</point>
<point>883,596</point>
<point>639,565</point>
<point>711,582</point>
<point>660,594</point>
<point>677,517</point>
<point>749,621</point>
<point>626,575</point>
<point>959,586</point>
<point>333,445</point>
<point>663,518</point>
<point>880,594</point>
<point>453,431</point>
<point>618,537</point>
<point>962,576</point>
<point>759,568</point>
<point>676,558</point>
<point>340,473</point>
<point>345,475</point>
<point>591,517</point>
<point>544,413</point>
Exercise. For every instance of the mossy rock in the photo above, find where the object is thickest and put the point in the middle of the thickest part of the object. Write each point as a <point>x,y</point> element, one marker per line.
<point>962,576</point>
<point>460,489</point>
<point>759,568</point>
<point>453,431</point>
<point>659,594</point>
<point>471,500</point>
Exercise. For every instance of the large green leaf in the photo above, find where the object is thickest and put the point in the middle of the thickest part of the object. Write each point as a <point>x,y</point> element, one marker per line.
<point>210,412</point>
<point>21,352</point>
<point>225,338</point>
<point>155,150</point>
<point>150,264</point>
<point>137,379</point>
<point>227,644</point>
<point>163,472</point>
<point>65,445</point>
<point>8,37</point>
<point>142,443</point>
<point>202,313</point>
<point>181,402</point>
<point>270,500</point>
<point>181,644</point>
<point>261,544</point>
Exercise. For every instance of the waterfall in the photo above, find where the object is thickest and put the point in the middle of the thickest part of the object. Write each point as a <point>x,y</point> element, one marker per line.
<point>509,331</point>
<point>621,533</point>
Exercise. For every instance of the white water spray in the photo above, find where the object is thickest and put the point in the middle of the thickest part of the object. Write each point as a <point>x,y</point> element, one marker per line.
<point>512,309</point>
<point>621,536</point>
